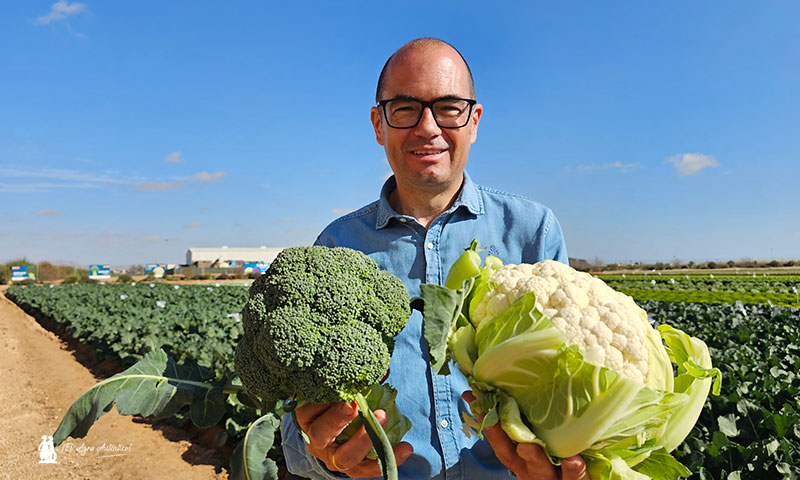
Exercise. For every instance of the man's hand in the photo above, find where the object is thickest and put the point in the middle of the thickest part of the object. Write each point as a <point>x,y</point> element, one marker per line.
<point>527,461</point>
<point>323,423</point>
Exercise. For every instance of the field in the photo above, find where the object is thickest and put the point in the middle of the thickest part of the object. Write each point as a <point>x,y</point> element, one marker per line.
<point>751,324</point>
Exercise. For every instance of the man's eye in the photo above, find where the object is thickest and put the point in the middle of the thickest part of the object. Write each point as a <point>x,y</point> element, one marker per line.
<point>449,110</point>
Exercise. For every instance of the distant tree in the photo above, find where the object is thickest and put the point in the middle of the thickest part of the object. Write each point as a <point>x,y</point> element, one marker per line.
<point>711,265</point>
<point>790,263</point>
<point>731,263</point>
<point>774,263</point>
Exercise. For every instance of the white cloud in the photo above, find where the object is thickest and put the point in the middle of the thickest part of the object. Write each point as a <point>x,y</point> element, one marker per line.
<point>61,174</point>
<point>152,238</point>
<point>48,213</point>
<point>690,163</point>
<point>194,225</point>
<point>341,211</point>
<point>174,157</point>
<point>208,177</point>
<point>60,11</point>
<point>157,186</point>
<point>622,167</point>
<point>41,187</point>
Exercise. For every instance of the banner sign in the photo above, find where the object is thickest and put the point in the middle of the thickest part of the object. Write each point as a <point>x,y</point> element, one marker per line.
<point>99,272</point>
<point>156,270</point>
<point>257,268</point>
<point>22,272</point>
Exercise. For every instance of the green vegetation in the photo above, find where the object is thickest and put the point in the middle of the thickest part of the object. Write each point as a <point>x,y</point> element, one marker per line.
<point>283,357</point>
<point>752,429</point>
<point>780,290</point>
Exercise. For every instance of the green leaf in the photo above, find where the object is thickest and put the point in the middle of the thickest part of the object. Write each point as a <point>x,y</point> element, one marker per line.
<point>660,465</point>
<point>442,307</point>
<point>727,425</point>
<point>249,460</point>
<point>208,407</point>
<point>156,386</point>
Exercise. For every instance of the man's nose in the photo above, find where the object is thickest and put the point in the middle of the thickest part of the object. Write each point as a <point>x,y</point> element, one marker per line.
<point>427,124</point>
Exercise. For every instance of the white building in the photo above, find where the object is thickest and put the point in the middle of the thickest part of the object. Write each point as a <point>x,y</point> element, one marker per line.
<point>225,256</point>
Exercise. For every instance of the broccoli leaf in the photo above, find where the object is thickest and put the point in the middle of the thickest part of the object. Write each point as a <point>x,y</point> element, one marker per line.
<point>249,460</point>
<point>156,386</point>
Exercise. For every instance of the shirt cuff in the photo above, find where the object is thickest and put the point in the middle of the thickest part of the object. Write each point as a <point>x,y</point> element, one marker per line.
<point>298,460</point>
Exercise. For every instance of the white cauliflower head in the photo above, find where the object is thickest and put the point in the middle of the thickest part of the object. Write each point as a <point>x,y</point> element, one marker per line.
<point>607,326</point>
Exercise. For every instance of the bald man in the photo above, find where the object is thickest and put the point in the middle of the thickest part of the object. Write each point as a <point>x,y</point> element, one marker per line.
<point>426,118</point>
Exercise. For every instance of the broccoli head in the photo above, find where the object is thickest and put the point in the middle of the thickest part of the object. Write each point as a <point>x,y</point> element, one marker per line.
<point>319,325</point>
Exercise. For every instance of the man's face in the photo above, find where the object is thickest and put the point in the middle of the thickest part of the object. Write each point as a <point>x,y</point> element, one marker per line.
<point>427,158</point>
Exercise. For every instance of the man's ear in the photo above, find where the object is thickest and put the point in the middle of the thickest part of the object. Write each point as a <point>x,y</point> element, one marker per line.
<point>474,120</point>
<point>377,124</point>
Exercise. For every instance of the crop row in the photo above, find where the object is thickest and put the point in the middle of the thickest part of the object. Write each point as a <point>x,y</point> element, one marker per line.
<point>710,282</point>
<point>780,290</point>
<point>752,430</point>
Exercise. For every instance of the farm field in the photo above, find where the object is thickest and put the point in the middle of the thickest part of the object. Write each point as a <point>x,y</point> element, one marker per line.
<point>751,325</point>
<point>41,377</point>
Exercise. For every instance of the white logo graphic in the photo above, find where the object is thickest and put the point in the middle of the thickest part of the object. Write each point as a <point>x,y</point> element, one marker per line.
<point>47,453</point>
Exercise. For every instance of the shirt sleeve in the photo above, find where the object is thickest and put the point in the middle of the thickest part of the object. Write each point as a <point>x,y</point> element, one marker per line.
<point>554,245</point>
<point>298,460</point>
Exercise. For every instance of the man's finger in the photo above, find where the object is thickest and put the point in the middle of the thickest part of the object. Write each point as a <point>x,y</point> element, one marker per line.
<point>531,452</point>
<point>574,468</point>
<point>308,413</point>
<point>371,468</point>
<point>468,396</point>
<point>353,451</point>
<point>326,427</point>
<point>503,447</point>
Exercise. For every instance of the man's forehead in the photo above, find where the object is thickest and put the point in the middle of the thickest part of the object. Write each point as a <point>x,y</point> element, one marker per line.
<point>440,69</point>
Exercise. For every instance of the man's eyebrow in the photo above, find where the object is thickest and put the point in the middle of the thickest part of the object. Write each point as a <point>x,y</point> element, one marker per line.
<point>412,97</point>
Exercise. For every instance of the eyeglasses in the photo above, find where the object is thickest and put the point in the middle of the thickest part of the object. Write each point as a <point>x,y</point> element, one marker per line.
<point>448,112</point>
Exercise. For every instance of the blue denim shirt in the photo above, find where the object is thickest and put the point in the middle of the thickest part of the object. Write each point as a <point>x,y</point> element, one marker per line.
<point>511,227</point>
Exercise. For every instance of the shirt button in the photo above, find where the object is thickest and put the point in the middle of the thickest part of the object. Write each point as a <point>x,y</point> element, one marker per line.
<point>430,245</point>
<point>443,423</point>
<point>403,220</point>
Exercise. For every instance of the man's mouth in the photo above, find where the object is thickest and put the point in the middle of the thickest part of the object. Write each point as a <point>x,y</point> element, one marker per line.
<point>424,152</point>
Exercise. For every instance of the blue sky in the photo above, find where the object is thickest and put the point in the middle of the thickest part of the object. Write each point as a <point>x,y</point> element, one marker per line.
<point>131,131</point>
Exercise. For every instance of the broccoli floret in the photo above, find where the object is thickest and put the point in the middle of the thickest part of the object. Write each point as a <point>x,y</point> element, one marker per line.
<point>319,325</point>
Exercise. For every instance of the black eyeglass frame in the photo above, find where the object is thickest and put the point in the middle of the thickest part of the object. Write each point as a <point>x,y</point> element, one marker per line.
<point>470,101</point>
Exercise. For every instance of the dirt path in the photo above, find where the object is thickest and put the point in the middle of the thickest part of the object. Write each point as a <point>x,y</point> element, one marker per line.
<point>39,380</point>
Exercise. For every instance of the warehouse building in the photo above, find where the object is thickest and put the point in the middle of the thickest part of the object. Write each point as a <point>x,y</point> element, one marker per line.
<point>226,257</point>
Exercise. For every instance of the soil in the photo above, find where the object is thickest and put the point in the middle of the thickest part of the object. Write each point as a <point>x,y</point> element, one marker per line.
<point>40,377</point>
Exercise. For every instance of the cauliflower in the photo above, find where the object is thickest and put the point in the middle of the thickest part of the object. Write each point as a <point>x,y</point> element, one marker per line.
<point>607,326</point>
<point>560,359</point>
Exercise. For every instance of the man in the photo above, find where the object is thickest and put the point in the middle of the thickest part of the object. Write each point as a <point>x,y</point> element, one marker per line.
<point>426,118</point>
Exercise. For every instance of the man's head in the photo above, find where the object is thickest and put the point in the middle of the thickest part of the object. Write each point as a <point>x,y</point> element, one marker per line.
<point>426,157</point>
<point>415,44</point>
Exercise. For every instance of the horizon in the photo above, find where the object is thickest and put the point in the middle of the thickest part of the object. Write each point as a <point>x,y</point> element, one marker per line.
<point>655,132</point>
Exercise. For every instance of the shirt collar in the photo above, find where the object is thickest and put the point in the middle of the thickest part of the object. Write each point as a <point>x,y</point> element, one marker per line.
<point>469,197</point>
